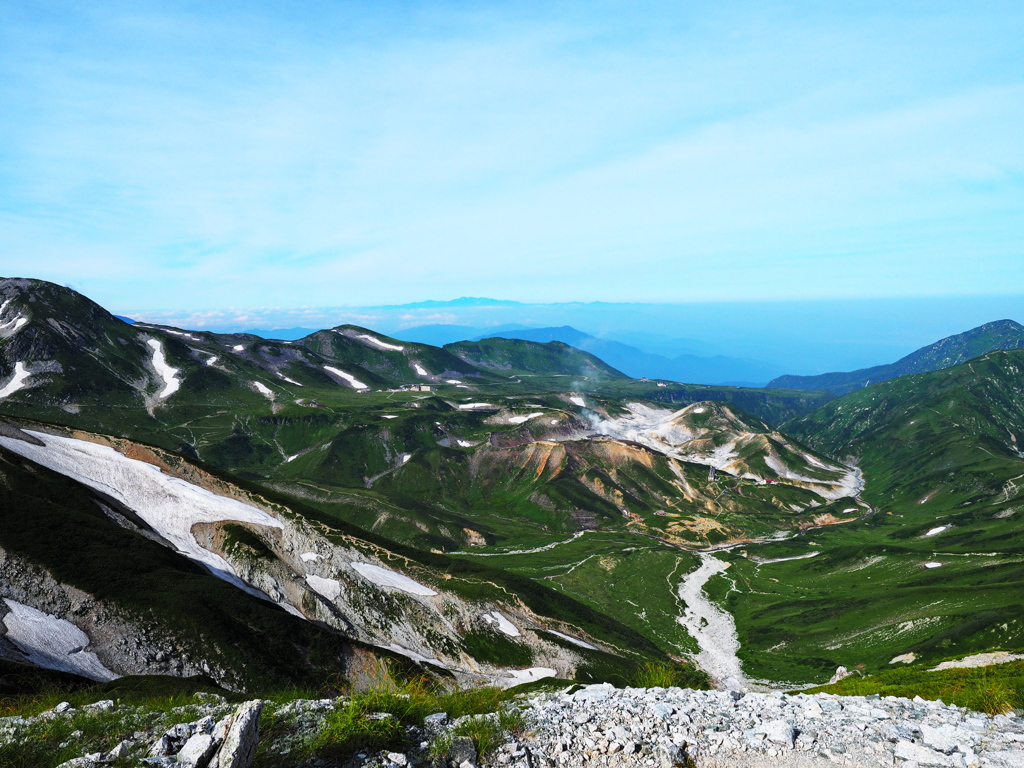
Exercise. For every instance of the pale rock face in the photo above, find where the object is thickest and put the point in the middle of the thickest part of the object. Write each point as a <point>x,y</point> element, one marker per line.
<point>197,751</point>
<point>239,747</point>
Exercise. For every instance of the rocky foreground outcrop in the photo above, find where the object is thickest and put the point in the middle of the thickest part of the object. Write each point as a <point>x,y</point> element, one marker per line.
<point>603,726</point>
<point>599,725</point>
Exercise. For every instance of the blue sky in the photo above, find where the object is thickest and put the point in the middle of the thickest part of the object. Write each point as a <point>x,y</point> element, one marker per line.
<point>194,156</point>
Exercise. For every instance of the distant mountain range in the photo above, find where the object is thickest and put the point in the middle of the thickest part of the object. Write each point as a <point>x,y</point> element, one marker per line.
<point>950,351</point>
<point>692,369</point>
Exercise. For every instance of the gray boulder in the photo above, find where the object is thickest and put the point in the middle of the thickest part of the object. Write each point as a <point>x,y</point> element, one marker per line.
<point>241,734</point>
<point>197,751</point>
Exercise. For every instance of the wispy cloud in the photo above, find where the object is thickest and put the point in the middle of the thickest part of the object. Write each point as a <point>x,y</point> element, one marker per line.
<point>352,153</point>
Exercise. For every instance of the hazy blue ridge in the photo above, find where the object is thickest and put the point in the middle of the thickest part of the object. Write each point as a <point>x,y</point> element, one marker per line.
<point>950,351</point>
<point>634,362</point>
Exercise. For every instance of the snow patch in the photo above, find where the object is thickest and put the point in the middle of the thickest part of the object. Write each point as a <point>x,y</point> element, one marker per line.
<point>420,370</point>
<point>309,557</point>
<point>573,640</point>
<point>52,643</point>
<point>474,406</point>
<point>452,381</point>
<point>904,658</point>
<point>937,531</point>
<point>238,347</point>
<point>212,359</point>
<point>521,419</point>
<point>465,443</point>
<point>356,383</point>
<point>504,625</point>
<point>698,410</point>
<point>17,324</point>
<point>933,565</point>
<point>329,588</point>
<point>170,506</point>
<point>17,380</point>
<point>168,374</point>
<point>375,342</point>
<point>263,389</point>
<point>182,334</point>
<point>787,559</point>
<point>384,577</point>
<point>529,675</point>
<point>576,400</point>
<point>389,416</point>
<point>290,381</point>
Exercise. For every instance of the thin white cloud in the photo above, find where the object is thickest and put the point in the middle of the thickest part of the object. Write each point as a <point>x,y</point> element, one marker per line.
<point>346,156</point>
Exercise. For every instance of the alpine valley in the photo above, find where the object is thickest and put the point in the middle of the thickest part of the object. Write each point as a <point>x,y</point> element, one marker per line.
<point>270,513</point>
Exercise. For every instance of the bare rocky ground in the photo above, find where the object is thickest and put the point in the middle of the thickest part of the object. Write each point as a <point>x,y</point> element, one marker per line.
<point>600,725</point>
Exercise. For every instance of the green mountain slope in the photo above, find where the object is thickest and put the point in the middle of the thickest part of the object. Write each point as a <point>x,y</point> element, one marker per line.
<point>534,480</point>
<point>937,570</point>
<point>945,439</point>
<point>59,550</point>
<point>518,356</point>
<point>346,589</point>
<point>953,350</point>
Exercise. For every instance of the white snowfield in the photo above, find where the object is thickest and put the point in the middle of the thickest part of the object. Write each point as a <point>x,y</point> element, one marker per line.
<point>212,359</point>
<point>329,588</point>
<point>168,374</point>
<point>452,381</point>
<point>309,557</point>
<point>17,381</point>
<point>420,370</point>
<point>576,400</point>
<point>474,406</point>
<point>52,643</point>
<point>290,381</point>
<point>937,531</point>
<point>933,565</point>
<point>375,342</point>
<point>522,419</point>
<point>712,628</point>
<point>168,505</point>
<point>504,625</point>
<point>263,389</point>
<point>529,675</point>
<point>352,380</point>
<point>384,577</point>
<point>804,556</point>
<point>238,347</point>
<point>181,333</point>
<point>573,640</point>
<point>11,327</point>
<point>389,416</point>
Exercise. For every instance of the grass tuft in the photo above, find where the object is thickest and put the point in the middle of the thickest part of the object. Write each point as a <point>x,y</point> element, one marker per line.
<point>994,690</point>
